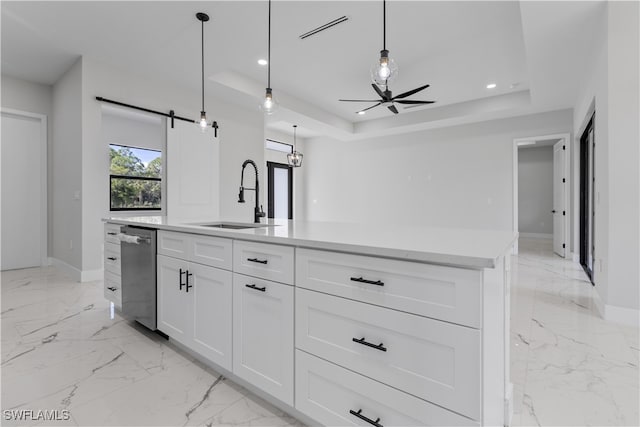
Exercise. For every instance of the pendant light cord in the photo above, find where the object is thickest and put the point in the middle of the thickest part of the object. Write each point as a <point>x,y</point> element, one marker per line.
<point>294,137</point>
<point>269,50</point>
<point>384,24</point>
<point>202,65</point>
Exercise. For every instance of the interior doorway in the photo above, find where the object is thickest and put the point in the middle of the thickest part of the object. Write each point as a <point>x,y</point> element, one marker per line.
<point>24,190</point>
<point>543,178</point>
<point>587,205</point>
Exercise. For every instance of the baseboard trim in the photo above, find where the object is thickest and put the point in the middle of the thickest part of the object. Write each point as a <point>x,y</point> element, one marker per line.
<point>617,314</point>
<point>68,269</point>
<point>537,236</point>
<point>76,274</point>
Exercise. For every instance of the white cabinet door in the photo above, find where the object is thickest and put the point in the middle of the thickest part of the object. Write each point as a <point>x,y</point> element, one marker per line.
<point>211,293</point>
<point>174,304</point>
<point>263,335</point>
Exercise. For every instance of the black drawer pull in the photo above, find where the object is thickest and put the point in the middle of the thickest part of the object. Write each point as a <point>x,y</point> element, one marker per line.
<point>188,285</point>
<point>180,280</point>
<point>260,261</point>
<point>362,417</point>
<point>262,289</point>
<point>380,346</point>
<point>111,233</point>
<point>112,258</point>
<point>112,289</point>
<point>370,282</point>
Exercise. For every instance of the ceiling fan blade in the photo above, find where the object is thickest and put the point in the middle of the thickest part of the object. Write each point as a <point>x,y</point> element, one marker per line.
<point>393,109</point>
<point>373,106</point>
<point>358,100</point>
<point>411,92</point>
<point>378,91</point>
<point>408,101</point>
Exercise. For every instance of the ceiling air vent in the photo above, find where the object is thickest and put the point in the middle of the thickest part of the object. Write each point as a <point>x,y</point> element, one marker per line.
<point>323,27</point>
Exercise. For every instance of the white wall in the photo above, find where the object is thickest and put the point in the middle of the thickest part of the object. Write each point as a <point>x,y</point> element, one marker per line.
<point>452,177</point>
<point>535,190</point>
<point>67,162</point>
<point>34,98</point>
<point>610,87</point>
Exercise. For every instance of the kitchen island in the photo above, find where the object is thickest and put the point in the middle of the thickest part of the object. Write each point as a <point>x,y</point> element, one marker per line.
<point>344,323</point>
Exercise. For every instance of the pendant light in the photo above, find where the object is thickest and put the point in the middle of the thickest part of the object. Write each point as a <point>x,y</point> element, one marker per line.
<point>385,70</point>
<point>202,17</point>
<point>269,104</point>
<point>295,159</point>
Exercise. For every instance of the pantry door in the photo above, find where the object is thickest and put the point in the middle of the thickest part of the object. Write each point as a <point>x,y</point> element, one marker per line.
<point>23,152</point>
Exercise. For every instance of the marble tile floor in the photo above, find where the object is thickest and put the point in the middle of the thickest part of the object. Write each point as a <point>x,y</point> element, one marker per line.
<point>63,349</point>
<point>569,367</point>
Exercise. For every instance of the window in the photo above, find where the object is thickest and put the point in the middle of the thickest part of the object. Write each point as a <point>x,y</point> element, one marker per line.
<point>270,144</point>
<point>135,178</point>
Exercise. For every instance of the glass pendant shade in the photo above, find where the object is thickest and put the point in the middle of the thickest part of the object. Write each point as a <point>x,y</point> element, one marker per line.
<point>269,104</point>
<point>385,70</point>
<point>203,121</point>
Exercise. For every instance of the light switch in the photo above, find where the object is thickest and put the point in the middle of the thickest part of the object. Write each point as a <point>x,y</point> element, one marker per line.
<point>76,195</point>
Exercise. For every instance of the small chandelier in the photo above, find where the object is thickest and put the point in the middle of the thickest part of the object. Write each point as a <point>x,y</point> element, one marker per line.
<point>295,159</point>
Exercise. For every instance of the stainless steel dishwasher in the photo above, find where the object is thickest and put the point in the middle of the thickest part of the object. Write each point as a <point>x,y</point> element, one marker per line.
<point>138,263</point>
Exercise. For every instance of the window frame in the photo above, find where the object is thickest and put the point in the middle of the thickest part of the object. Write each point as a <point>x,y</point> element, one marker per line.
<point>139,178</point>
<point>271,166</point>
<point>267,140</point>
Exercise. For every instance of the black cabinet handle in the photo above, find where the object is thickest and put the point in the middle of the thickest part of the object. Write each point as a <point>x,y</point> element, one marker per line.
<point>112,289</point>
<point>553,211</point>
<point>260,261</point>
<point>180,280</point>
<point>370,282</point>
<point>110,233</point>
<point>380,346</point>
<point>262,289</point>
<point>188,285</point>
<point>362,417</point>
<point>112,258</point>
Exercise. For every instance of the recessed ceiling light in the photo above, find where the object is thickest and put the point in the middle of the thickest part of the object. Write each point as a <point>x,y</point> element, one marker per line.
<point>262,62</point>
<point>362,113</point>
<point>491,86</point>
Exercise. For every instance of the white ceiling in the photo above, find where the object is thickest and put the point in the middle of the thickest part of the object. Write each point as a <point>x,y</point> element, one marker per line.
<point>457,47</point>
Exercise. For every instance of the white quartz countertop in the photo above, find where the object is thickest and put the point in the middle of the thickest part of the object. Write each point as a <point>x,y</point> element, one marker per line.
<point>466,248</point>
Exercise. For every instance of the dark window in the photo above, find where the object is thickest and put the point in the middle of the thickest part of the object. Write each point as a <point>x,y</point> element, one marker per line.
<point>135,178</point>
<point>270,144</point>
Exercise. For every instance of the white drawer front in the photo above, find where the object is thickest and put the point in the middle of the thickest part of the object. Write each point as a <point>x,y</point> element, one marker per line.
<point>112,258</point>
<point>213,251</point>
<point>111,232</point>
<point>436,361</point>
<point>328,393</point>
<point>112,288</point>
<point>272,262</point>
<point>173,244</point>
<point>445,293</point>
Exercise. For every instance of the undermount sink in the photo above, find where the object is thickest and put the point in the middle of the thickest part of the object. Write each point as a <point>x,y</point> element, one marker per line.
<point>233,225</point>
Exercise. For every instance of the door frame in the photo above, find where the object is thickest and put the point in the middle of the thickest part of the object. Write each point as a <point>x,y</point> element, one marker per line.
<point>270,168</point>
<point>44,229</point>
<point>566,138</point>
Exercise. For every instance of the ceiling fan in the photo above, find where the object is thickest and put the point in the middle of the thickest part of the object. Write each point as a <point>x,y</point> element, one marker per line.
<point>386,97</point>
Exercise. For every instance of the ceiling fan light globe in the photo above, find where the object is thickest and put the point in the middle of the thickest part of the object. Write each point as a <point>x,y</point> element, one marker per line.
<point>384,71</point>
